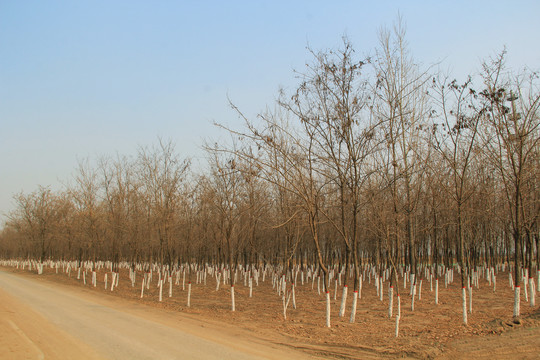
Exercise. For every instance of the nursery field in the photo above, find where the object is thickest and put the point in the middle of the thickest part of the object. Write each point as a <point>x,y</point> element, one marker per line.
<point>430,331</point>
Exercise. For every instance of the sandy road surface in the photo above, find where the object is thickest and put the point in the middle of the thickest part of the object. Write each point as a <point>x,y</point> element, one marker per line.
<point>47,321</point>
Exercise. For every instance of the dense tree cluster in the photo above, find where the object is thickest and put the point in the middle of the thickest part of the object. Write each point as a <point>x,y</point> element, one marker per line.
<point>372,160</point>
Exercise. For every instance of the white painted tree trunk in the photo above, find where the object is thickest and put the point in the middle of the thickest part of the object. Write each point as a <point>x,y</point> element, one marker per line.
<point>285,304</point>
<point>343,302</point>
<point>532,297</point>
<point>170,286</point>
<point>233,307</point>
<point>517,290</point>
<point>353,310</point>
<point>413,292</point>
<point>390,301</point>
<point>293,297</point>
<point>360,287</point>
<point>327,308</point>
<point>189,295</point>
<point>105,280</point>
<point>142,289</point>
<point>470,299</point>
<point>184,281</point>
<point>464,304</point>
<point>436,291</point>
<point>160,290</point>
<point>398,317</point>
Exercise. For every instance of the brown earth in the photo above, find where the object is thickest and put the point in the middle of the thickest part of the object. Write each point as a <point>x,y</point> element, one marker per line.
<point>430,331</point>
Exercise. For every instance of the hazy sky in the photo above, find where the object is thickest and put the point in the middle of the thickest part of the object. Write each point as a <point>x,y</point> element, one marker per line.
<point>82,79</point>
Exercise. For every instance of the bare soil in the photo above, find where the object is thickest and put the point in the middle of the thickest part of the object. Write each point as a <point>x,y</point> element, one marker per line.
<point>430,331</point>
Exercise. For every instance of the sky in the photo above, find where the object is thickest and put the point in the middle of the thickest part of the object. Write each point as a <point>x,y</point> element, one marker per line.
<point>86,79</point>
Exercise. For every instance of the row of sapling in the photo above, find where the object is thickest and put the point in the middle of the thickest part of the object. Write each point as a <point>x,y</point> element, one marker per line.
<point>369,272</point>
<point>370,164</point>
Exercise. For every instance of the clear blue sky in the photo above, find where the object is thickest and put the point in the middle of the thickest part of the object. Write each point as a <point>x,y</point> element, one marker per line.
<point>83,79</point>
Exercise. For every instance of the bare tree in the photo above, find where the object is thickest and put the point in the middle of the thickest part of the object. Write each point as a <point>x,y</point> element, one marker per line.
<point>162,173</point>
<point>331,104</point>
<point>39,215</point>
<point>460,116</point>
<point>513,102</point>
<point>401,106</point>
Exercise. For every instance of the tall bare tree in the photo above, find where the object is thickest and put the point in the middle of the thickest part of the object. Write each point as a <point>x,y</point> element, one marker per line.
<point>514,118</point>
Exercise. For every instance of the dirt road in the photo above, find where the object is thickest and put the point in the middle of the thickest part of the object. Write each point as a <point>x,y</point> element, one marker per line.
<point>49,321</point>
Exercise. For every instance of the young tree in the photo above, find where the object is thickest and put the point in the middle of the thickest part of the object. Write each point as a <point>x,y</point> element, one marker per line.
<point>401,107</point>
<point>459,115</point>
<point>331,103</point>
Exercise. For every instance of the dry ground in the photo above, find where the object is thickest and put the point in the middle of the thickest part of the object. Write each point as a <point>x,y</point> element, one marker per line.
<point>431,331</point>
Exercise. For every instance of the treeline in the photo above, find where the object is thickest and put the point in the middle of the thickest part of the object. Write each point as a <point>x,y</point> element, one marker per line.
<point>371,160</point>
